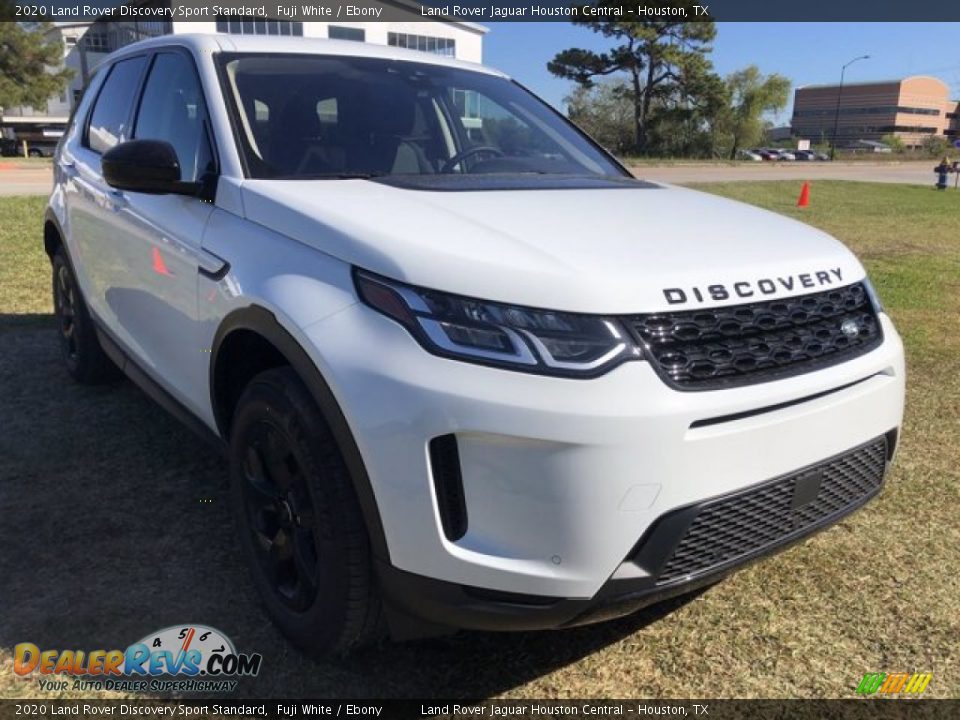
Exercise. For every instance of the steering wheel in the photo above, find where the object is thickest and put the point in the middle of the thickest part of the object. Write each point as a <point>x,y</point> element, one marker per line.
<point>450,164</point>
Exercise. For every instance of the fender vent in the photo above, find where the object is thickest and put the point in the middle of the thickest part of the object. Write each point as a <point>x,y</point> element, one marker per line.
<point>448,486</point>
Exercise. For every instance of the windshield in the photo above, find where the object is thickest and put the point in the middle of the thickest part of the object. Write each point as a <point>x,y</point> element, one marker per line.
<point>308,116</point>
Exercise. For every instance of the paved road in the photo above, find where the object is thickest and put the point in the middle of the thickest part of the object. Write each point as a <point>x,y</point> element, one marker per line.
<point>16,179</point>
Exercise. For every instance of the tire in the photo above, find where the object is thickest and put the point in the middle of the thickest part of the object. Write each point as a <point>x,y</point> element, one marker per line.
<point>34,153</point>
<point>86,361</point>
<point>300,524</point>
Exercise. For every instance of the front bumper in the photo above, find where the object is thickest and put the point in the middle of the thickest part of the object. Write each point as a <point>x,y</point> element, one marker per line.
<point>562,478</point>
<point>686,549</point>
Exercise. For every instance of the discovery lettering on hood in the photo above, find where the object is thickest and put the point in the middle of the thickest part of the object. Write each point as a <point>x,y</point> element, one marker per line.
<point>751,288</point>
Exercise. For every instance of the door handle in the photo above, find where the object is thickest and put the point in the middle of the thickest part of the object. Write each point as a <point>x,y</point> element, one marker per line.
<point>211,266</point>
<point>68,169</point>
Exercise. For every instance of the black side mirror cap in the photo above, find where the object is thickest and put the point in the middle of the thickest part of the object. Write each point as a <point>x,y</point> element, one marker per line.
<point>145,166</point>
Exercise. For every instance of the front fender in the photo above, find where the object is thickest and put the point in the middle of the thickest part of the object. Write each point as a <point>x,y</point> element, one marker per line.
<point>277,288</point>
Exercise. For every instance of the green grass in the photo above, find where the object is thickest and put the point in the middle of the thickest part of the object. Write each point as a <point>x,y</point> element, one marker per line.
<point>859,158</point>
<point>23,265</point>
<point>104,536</point>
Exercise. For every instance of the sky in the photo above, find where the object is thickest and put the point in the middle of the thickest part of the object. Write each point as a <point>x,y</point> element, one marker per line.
<point>806,53</point>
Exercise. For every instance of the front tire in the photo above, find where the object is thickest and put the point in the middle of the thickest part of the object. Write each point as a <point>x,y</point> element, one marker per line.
<point>86,361</point>
<point>300,524</point>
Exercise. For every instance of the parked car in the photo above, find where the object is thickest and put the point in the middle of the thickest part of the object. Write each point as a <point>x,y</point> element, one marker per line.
<point>767,154</point>
<point>868,146</point>
<point>805,155</point>
<point>501,386</point>
<point>41,149</point>
<point>784,154</point>
<point>14,148</point>
<point>749,155</point>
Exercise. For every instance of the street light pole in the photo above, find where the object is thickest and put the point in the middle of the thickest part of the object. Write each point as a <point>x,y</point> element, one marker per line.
<point>836,115</point>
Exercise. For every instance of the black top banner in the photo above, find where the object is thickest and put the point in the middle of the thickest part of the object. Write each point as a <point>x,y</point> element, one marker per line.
<point>488,11</point>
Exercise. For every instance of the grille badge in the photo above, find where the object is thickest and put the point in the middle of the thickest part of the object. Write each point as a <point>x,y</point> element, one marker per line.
<point>850,328</point>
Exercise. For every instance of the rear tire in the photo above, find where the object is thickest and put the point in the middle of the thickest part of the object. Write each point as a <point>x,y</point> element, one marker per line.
<point>86,361</point>
<point>300,524</point>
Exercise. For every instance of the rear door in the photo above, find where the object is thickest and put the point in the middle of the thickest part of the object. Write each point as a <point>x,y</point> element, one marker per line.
<point>95,226</point>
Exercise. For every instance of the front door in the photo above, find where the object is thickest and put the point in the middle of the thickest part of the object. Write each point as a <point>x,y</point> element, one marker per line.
<point>153,289</point>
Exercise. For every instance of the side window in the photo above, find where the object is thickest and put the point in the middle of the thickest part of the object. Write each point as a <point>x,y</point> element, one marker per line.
<point>109,122</point>
<point>82,100</point>
<point>173,109</point>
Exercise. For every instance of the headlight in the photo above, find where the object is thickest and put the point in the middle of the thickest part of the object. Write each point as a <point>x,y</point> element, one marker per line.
<point>489,333</point>
<point>872,294</point>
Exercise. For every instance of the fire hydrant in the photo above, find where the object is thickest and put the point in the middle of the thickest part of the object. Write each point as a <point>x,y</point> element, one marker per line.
<point>942,170</point>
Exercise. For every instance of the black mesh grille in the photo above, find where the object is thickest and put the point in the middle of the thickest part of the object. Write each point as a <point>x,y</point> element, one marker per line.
<point>747,522</point>
<point>741,344</point>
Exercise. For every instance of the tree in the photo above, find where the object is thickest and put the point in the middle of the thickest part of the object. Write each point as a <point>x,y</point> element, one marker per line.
<point>661,59</point>
<point>750,96</point>
<point>935,145</point>
<point>688,125</point>
<point>605,112</point>
<point>31,64</point>
<point>895,143</point>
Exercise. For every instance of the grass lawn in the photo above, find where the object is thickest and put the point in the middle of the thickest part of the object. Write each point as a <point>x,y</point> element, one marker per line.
<point>864,158</point>
<point>106,535</point>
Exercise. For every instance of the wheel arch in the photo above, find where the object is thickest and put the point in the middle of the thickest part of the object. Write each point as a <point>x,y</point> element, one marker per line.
<point>257,325</point>
<point>53,237</point>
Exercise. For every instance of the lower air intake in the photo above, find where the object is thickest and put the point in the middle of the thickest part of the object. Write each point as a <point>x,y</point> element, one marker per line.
<point>776,512</point>
<point>448,486</point>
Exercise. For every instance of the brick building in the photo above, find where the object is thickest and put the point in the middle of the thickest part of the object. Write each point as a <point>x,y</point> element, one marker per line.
<point>913,109</point>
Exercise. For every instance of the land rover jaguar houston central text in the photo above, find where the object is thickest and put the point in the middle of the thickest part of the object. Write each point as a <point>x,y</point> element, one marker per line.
<point>468,371</point>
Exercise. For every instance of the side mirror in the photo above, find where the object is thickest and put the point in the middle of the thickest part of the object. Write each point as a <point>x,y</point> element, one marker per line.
<point>146,166</point>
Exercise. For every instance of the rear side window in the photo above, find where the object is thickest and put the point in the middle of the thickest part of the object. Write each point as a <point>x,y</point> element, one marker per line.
<point>81,105</point>
<point>173,109</point>
<point>110,120</point>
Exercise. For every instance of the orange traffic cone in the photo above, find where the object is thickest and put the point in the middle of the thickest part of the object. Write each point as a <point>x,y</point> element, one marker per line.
<point>804,199</point>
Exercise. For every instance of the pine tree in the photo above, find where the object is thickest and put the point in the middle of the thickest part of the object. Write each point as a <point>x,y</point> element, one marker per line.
<point>31,64</point>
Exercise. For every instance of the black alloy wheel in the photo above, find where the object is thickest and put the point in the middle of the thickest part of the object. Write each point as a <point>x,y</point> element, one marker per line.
<point>299,521</point>
<point>85,359</point>
<point>281,516</point>
<point>65,306</point>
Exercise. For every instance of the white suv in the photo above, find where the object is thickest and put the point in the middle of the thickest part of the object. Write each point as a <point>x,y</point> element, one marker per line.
<point>468,371</point>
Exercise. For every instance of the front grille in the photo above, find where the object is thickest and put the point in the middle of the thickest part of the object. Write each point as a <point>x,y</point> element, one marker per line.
<point>742,344</point>
<point>768,515</point>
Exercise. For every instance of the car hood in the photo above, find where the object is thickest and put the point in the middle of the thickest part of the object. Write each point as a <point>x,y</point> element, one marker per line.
<point>611,250</point>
